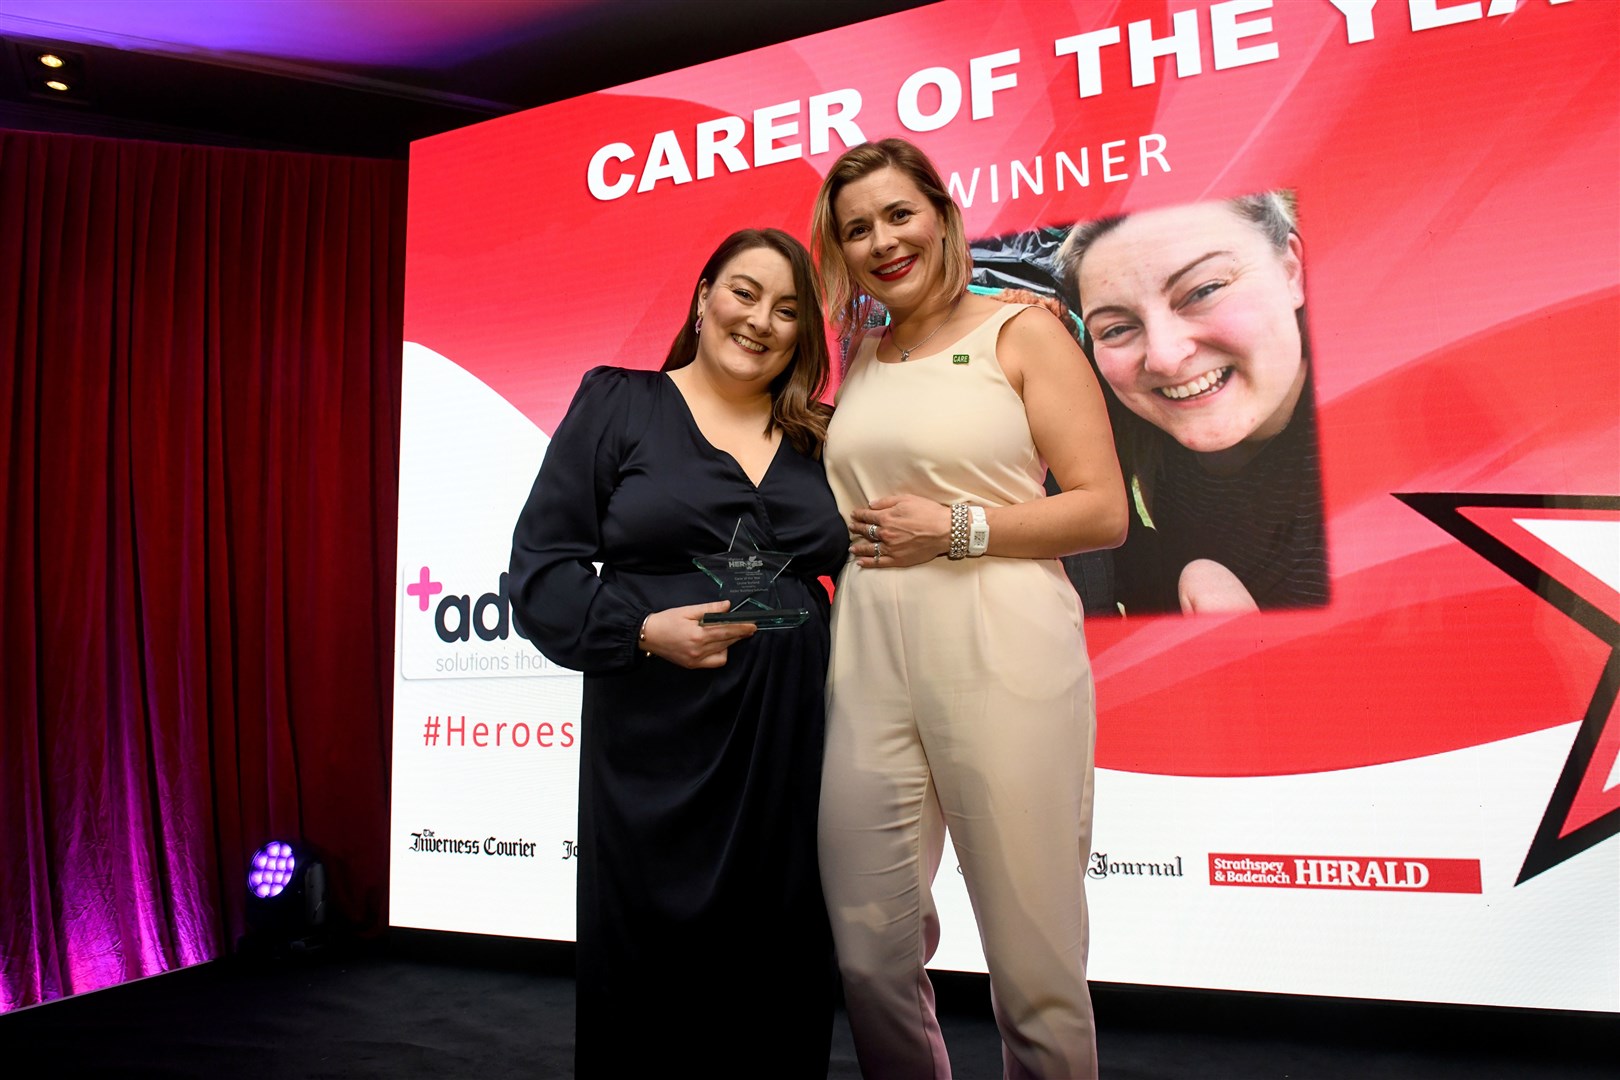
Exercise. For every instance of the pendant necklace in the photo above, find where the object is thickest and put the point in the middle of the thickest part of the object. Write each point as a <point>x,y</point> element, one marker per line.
<point>905,354</point>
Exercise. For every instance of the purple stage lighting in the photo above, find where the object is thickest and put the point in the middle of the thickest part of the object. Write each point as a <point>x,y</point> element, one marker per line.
<point>286,901</point>
<point>272,869</point>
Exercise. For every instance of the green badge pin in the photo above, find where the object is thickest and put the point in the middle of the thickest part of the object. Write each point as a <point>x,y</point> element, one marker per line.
<point>959,358</point>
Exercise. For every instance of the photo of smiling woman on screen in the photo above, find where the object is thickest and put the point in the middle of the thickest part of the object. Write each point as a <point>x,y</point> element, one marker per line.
<point>1195,318</point>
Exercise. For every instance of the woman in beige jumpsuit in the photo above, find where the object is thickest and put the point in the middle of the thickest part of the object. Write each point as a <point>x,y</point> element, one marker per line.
<point>959,694</point>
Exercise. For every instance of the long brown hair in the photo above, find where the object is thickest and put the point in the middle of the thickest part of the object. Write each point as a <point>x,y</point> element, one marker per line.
<point>796,405</point>
<point>847,308</point>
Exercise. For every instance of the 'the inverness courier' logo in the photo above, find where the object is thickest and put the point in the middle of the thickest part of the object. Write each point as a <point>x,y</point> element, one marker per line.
<point>426,841</point>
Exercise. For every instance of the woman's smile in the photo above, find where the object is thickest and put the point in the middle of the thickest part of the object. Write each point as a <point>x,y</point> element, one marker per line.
<point>1201,387</point>
<point>895,269</point>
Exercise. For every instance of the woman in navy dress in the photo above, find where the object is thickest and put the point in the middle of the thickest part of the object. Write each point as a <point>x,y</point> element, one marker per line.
<point>703,938</point>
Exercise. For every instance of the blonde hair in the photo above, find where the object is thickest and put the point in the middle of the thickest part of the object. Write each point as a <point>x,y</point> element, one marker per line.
<point>846,306</point>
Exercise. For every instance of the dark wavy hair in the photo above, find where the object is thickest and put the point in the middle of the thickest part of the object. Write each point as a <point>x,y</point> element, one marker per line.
<point>796,405</point>
<point>847,308</point>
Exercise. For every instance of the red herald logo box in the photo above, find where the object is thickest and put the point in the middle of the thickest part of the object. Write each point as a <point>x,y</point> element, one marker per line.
<point>1345,872</point>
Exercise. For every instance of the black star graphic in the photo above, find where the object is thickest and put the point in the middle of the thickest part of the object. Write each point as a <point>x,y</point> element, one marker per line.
<point>1580,787</point>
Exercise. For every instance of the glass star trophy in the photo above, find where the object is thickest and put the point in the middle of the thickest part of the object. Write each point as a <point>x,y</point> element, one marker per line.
<point>747,576</point>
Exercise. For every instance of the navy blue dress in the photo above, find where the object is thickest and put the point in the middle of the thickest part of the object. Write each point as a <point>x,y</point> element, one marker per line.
<point>703,939</point>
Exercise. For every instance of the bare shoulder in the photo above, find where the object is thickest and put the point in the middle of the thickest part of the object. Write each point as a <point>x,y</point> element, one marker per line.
<point>1036,327</point>
<point>974,308</point>
<point>1036,343</point>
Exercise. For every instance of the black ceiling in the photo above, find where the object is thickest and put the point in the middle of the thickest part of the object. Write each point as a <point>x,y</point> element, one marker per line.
<point>147,86</point>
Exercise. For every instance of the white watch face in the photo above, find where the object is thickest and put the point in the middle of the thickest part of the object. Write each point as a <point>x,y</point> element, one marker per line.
<point>979,535</point>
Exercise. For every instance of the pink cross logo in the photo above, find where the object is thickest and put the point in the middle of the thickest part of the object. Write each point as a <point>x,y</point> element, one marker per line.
<point>425,587</point>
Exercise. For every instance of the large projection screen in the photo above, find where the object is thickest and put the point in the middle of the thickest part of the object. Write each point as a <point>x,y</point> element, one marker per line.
<point>1409,792</point>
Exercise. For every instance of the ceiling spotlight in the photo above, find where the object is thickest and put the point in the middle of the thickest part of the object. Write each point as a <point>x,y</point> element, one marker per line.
<point>50,71</point>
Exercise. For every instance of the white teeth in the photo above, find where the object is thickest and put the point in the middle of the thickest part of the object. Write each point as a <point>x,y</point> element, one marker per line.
<point>751,346</point>
<point>1212,380</point>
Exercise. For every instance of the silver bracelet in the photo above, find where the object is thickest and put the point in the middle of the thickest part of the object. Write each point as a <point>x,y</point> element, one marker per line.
<point>959,530</point>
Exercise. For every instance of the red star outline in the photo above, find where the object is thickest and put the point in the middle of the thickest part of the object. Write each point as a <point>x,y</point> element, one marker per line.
<point>1580,813</point>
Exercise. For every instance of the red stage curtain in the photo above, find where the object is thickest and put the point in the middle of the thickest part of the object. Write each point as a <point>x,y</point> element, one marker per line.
<point>200,398</point>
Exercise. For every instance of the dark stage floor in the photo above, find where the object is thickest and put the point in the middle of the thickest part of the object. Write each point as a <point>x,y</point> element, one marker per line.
<point>428,1005</point>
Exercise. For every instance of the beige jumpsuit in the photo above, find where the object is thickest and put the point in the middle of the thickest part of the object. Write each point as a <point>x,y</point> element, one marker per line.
<point>959,696</point>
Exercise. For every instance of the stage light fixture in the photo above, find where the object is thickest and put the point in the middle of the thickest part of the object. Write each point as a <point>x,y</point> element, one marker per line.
<point>286,900</point>
<point>272,869</point>
<point>58,85</point>
<point>51,60</point>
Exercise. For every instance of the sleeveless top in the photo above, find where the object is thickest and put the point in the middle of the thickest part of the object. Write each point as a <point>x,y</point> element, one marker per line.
<point>947,426</point>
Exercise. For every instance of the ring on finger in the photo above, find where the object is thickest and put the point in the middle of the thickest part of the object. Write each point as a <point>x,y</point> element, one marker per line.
<point>877,552</point>
<point>872,533</point>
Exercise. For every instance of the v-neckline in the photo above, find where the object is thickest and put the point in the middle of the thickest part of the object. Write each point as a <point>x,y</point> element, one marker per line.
<point>691,418</point>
